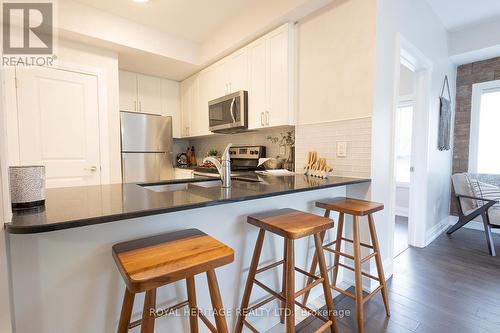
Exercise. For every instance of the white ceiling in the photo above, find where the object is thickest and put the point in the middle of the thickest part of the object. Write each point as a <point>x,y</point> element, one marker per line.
<point>194,20</point>
<point>457,14</point>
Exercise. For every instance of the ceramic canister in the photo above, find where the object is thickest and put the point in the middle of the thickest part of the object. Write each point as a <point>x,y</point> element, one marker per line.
<point>27,186</point>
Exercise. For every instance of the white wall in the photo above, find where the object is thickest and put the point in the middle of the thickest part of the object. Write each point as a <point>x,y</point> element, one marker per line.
<point>336,49</point>
<point>418,24</point>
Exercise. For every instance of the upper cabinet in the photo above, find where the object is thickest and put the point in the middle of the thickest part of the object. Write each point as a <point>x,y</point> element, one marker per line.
<point>149,94</point>
<point>271,90</point>
<point>152,95</point>
<point>140,93</point>
<point>265,68</point>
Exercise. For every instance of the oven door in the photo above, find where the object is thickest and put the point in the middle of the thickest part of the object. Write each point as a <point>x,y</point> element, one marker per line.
<point>228,113</point>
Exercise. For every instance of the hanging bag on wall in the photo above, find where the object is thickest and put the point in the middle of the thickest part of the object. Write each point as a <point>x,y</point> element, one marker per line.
<point>444,117</point>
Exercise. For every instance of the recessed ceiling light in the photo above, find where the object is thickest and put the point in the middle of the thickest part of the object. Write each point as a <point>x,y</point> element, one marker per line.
<point>141,1</point>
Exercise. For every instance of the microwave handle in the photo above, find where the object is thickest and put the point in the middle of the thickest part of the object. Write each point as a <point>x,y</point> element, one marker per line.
<point>231,110</point>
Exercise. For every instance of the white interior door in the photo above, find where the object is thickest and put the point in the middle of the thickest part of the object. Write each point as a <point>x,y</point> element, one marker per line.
<point>59,125</point>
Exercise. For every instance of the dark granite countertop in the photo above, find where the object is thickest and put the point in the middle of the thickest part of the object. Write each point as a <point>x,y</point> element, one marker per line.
<point>72,207</point>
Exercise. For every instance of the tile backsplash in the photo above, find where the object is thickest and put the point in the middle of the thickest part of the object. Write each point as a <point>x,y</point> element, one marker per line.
<point>219,141</point>
<point>323,139</point>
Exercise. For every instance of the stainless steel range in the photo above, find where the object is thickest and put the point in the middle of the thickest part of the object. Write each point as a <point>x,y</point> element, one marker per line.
<point>244,161</point>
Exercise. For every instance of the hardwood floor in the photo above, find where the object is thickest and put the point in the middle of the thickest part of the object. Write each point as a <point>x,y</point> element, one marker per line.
<point>452,285</point>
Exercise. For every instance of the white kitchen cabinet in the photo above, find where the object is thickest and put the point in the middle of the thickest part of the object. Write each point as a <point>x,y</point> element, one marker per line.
<point>128,91</point>
<point>149,94</point>
<point>270,93</point>
<point>139,93</point>
<point>279,78</point>
<point>170,104</point>
<point>265,68</point>
<point>257,91</point>
<point>206,93</point>
<point>189,103</point>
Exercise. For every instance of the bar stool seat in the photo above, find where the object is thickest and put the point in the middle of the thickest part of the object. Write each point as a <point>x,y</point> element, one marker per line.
<point>350,206</point>
<point>291,225</point>
<point>149,263</point>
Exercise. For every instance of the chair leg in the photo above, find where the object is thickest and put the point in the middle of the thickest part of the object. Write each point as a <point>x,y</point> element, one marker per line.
<point>283,284</point>
<point>338,244</point>
<point>213,287</point>
<point>148,312</point>
<point>357,273</point>
<point>461,222</point>
<point>314,263</point>
<point>312,270</point>
<point>193,308</point>
<point>378,261</point>
<point>251,276</point>
<point>489,237</point>
<point>290,287</point>
<point>324,274</point>
<point>128,303</point>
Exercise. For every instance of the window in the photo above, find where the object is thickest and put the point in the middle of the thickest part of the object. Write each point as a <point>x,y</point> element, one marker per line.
<point>484,147</point>
<point>404,120</point>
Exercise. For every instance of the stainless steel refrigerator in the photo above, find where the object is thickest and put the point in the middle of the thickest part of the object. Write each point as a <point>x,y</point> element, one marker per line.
<point>146,147</point>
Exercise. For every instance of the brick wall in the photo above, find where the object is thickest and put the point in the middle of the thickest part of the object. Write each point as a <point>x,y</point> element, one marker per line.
<point>467,75</point>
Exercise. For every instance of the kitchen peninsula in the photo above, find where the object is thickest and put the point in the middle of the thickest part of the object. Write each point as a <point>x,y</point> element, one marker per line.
<point>63,274</point>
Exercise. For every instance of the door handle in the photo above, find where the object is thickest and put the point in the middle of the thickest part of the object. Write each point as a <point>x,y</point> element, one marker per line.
<point>140,106</point>
<point>262,119</point>
<point>267,118</point>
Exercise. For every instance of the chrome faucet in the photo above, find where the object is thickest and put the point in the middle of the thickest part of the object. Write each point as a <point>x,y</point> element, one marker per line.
<point>223,168</point>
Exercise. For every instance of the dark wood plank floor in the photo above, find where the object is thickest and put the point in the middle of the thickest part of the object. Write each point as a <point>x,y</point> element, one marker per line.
<point>452,285</point>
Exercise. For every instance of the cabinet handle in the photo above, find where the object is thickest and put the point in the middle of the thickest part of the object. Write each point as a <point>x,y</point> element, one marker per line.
<point>261,119</point>
<point>267,118</point>
<point>140,106</point>
<point>135,105</point>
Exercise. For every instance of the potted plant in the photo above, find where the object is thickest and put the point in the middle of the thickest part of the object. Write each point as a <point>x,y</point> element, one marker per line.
<point>286,141</point>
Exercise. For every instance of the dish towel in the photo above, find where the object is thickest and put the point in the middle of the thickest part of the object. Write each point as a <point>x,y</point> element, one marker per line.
<point>444,118</point>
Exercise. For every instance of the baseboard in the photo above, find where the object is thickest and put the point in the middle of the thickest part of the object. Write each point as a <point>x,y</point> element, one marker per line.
<point>474,225</point>
<point>437,230</point>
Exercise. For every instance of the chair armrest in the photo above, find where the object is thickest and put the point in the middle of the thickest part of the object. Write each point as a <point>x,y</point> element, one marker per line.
<point>476,198</point>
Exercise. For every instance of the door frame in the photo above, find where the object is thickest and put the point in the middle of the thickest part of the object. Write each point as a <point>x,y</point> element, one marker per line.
<point>422,67</point>
<point>102,103</point>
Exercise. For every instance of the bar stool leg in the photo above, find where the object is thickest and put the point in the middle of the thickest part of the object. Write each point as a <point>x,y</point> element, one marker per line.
<point>290,287</point>
<point>193,308</point>
<point>128,303</point>
<point>283,284</point>
<point>314,263</point>
<point>324,274</point>
<point>148,312</point>
<point>251,276</point>
<point>213,287</point>
<point>338,245</point>
<point>378,261</point>
<point>357,273</point>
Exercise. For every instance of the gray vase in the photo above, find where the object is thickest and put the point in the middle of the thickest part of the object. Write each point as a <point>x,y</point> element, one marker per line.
<point>27,186</point>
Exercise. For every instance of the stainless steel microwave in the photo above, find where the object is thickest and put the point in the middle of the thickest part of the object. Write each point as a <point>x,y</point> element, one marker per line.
<point>229,113</point>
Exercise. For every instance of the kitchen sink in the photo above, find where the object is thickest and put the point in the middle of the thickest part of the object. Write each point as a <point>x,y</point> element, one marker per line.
<point>209,183</point>
<point>181,186</point>
<point>167,187</point>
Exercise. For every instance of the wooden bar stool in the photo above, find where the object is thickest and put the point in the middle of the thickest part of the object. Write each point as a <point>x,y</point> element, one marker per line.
<point>355,208</point>
<point>291,225</point>
<point>148,263</point>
